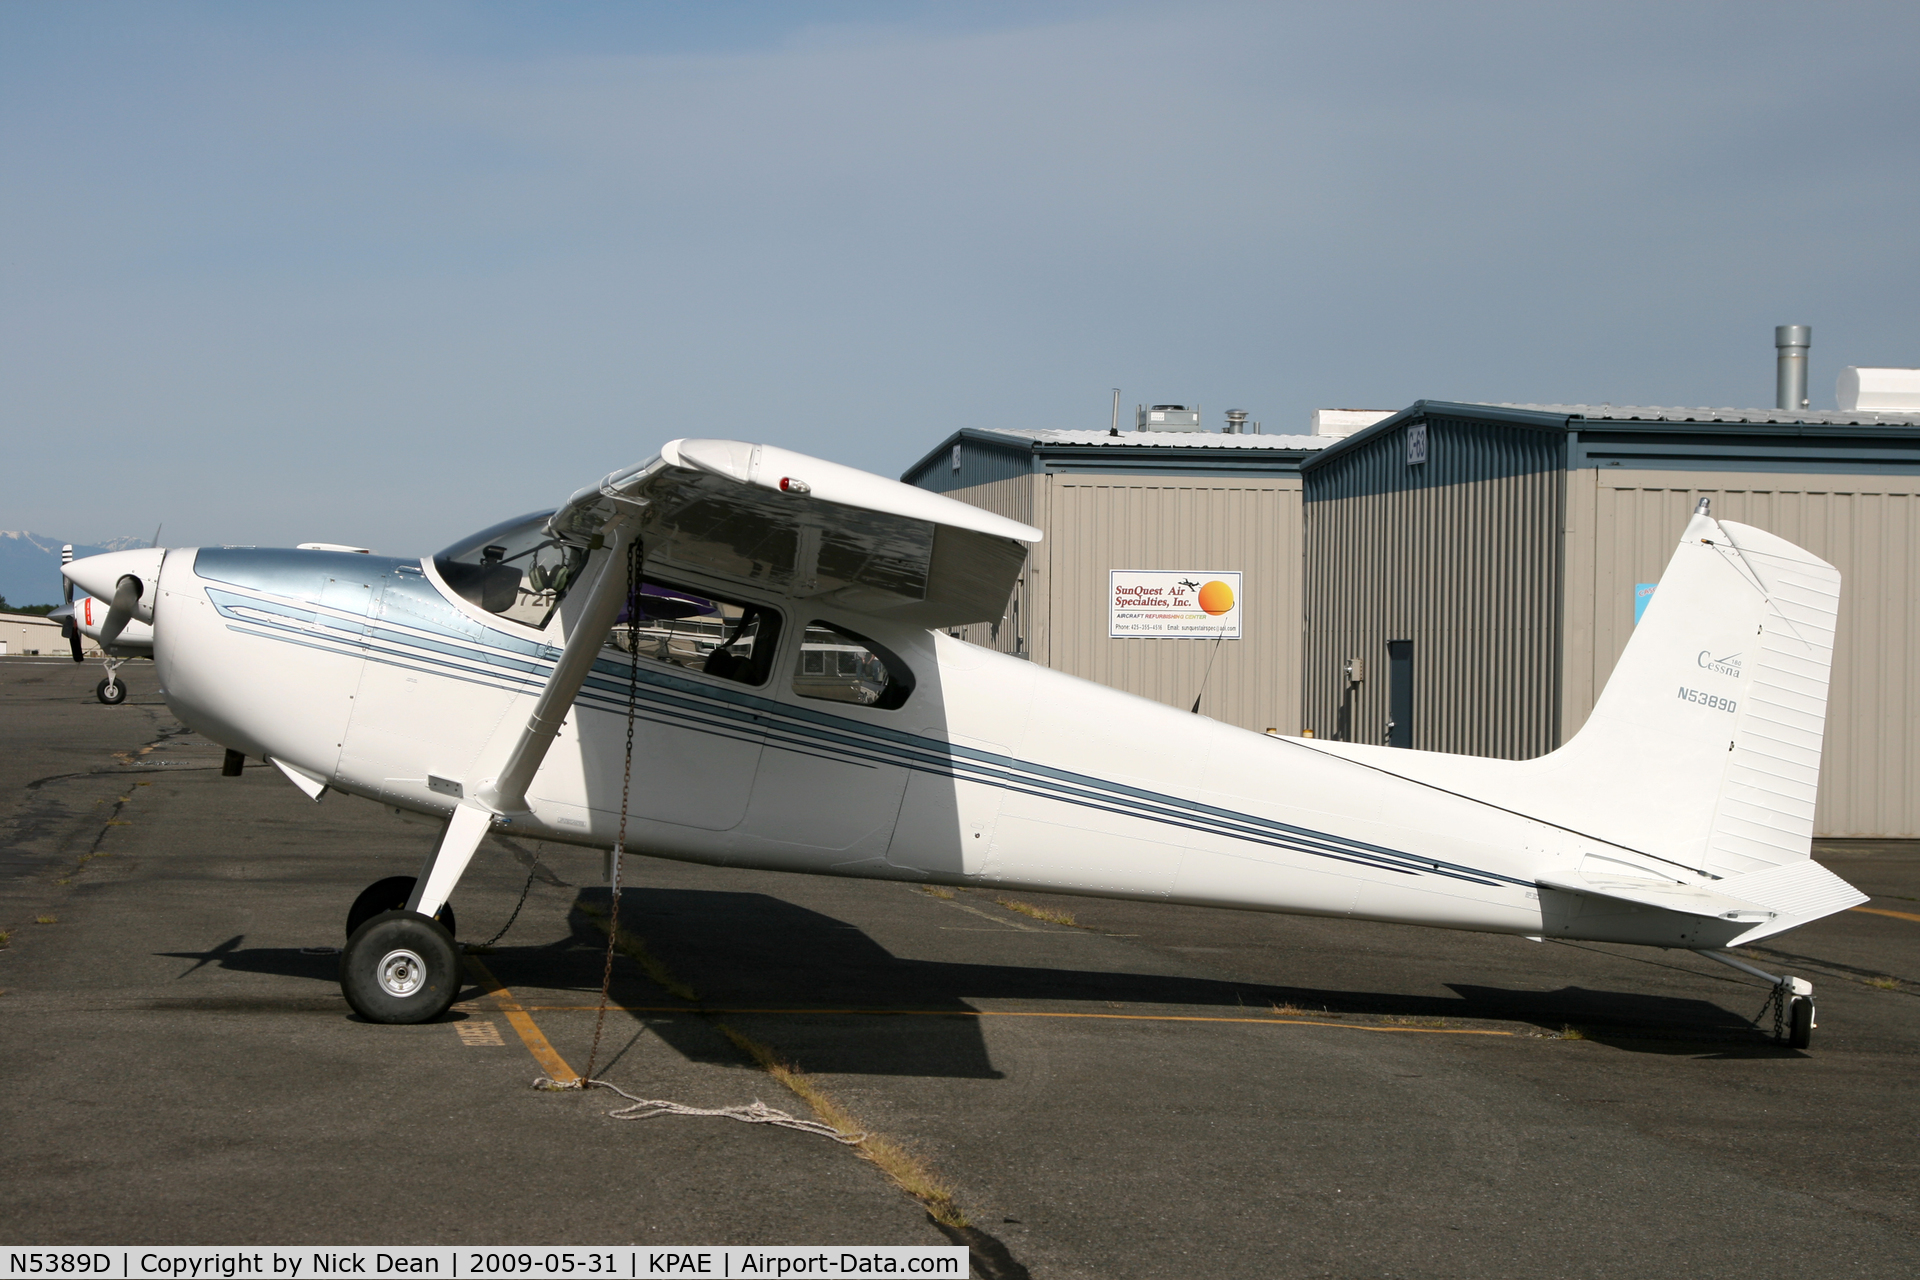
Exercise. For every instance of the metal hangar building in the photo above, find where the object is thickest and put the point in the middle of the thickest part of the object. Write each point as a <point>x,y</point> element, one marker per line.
<point>1483,564</point>
<point>1460,577</point>
<point>1178,499</point>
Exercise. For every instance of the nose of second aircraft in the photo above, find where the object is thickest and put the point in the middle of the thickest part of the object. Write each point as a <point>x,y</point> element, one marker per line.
<point>99,576</point>
<point>129,581</point>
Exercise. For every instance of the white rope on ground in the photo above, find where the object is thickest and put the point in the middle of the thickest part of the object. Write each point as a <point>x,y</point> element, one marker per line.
<point>757,1113</point>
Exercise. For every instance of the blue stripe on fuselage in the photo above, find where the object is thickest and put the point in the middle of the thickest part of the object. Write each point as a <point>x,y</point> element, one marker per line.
<point>515,664</point>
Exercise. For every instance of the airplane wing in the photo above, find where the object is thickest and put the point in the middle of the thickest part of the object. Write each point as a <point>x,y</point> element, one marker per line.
<point>766,516</point>
<point>763,516</point>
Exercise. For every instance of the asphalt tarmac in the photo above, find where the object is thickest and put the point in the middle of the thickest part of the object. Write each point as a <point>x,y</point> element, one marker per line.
<point>1145,1092</point>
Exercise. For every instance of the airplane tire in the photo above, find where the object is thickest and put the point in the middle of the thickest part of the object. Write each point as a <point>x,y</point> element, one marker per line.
<point>1800,1022</point>
<point>391,894</point>
<point>111,692</point>
<point>400,967</point>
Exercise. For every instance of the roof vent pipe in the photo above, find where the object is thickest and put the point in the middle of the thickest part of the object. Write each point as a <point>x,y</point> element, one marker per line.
<point>1236,422</point>
<point>1790,342</point>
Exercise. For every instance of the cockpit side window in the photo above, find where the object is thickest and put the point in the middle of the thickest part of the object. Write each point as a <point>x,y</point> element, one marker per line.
<point>698,631</point>
<point>839,666</point>
<point>516,569</point>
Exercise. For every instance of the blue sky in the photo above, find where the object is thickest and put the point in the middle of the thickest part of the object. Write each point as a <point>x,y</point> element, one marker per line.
<point>383,274</point>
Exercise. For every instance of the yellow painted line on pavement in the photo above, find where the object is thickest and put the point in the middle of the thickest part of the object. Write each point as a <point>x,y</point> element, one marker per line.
<point>1882,911</point>
<point>522,1022</point>
<point>1020,1013</point>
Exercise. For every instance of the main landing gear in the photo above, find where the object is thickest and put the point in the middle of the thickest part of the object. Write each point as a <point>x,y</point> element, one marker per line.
<point>398,966</point>
<point>391,894</point>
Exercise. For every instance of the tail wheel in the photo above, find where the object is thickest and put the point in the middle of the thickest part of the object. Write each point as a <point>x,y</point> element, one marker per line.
<point>110,691</point>
<point>1800,1022</point>
<point>391,894</point>
<point>400,967</point>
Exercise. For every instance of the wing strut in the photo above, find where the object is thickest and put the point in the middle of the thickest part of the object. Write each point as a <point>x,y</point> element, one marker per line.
<point>506,795</point>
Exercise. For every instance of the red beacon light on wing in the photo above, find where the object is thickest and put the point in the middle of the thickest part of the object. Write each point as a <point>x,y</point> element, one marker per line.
<point>789,485</point>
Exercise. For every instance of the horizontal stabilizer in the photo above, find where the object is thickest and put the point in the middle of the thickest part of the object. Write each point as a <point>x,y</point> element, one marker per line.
<point>1772,900</point>
<point>1797,891</point>
<point>1689,899</point>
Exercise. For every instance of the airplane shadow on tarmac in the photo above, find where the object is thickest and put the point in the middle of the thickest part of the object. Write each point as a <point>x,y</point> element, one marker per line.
<point>750,951</point>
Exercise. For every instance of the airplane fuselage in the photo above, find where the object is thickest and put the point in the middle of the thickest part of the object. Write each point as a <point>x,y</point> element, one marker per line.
<point>375,676</point>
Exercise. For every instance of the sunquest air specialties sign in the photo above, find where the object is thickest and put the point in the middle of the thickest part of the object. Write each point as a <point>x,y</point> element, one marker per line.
<point>1188,604</point>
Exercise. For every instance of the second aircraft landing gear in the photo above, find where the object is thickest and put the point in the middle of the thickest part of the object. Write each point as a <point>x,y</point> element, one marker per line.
<point>112,690</point>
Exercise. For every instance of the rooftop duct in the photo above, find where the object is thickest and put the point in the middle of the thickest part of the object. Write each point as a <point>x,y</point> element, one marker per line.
<point>1790,344</point>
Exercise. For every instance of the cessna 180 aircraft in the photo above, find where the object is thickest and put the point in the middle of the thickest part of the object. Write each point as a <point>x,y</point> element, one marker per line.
<point>776,624</point>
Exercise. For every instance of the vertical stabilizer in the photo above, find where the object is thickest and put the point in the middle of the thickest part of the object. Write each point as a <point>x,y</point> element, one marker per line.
<point>1706,740</point>
<point>1703,750</point>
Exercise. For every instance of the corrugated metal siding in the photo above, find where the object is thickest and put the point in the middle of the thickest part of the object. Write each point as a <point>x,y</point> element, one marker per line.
<point>1011,496</point>
<point>1866,526</point>
<point>1096,524</point>
<point>981,463</point>
<point>1462,556</point>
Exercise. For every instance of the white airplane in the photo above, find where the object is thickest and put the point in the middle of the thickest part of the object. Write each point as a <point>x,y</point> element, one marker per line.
<point>133,638</point>
<point>773,625</point>
<point>87,617</point>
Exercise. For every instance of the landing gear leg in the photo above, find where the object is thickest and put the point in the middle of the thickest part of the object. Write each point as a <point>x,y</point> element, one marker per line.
<point>110,690</point>
<point>391,894</point>
<point>1792,1003</point>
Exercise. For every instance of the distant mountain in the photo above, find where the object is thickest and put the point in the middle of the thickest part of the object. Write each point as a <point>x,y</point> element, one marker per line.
<point>30,564</point>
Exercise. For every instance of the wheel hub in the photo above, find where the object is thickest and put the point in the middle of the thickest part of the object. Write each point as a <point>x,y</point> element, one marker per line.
<point>402,973</point>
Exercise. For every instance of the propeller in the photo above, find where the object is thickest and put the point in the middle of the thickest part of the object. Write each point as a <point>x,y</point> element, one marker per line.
<point>126,597</point>
<point>68,627</point>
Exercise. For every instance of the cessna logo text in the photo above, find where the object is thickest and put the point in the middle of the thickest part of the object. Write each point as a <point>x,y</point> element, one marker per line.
<point>1727,666</point>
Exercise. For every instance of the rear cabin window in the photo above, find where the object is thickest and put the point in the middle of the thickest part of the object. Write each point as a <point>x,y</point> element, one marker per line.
<point>696,631</point>
<point>838,666</point>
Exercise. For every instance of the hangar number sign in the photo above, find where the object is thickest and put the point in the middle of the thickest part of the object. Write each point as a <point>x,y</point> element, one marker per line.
<point>1185,604</point>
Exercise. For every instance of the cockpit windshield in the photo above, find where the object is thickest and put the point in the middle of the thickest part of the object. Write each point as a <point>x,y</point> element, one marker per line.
<point>516,569</point>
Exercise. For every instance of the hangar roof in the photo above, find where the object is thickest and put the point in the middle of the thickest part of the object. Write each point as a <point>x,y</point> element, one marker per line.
<point>1656,413</point>
<point>1597,435</point>
<point>1682,438</point>
<point>1135,452</point>
<point>1156,439</point>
